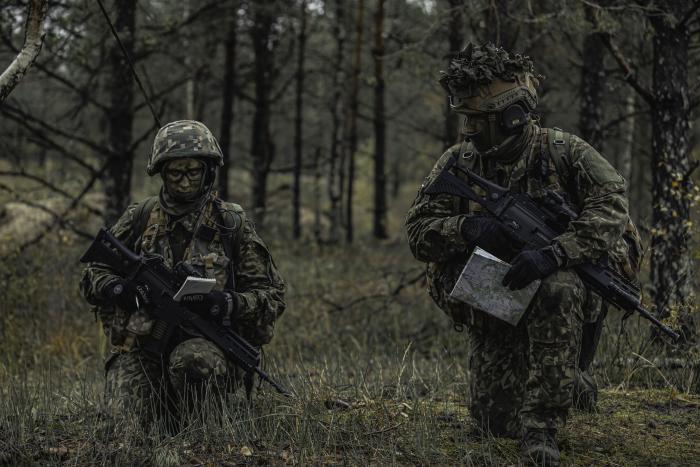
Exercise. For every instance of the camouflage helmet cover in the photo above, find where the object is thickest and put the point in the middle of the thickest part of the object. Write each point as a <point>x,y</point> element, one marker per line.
<point>183,139</point>
<point>488,79</point>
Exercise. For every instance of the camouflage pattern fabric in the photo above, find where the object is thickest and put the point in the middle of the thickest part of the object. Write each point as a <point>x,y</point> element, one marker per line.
<point>183,139</point>
<point>528,382</point>
<point>259,292</point>
<point>259,286</point>
<point>146,387</point>
<point>136,387</point>
<point>532,376</point>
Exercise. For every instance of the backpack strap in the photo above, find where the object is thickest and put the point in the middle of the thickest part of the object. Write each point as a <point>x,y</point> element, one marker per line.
<point>142,212</point>
<point>559,145</point>
<point>465,156</point>
<point>230,230</point>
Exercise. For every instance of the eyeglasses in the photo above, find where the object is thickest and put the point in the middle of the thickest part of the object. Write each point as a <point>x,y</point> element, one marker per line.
<point>191,174</point>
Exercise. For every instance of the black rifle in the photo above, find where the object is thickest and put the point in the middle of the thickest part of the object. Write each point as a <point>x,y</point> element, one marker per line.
<point>536,224</point>
<point>159,283</point>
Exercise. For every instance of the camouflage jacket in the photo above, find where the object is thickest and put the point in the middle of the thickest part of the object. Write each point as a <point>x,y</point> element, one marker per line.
<point>590,182</point>
<point>259,286</point>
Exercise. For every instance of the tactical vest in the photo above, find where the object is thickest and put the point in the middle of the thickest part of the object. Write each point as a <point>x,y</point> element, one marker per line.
<point>214,246</point>
<point>547,167</point>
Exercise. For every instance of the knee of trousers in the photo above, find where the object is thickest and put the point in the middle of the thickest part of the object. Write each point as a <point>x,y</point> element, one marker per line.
<point>196,360</point>
<point>557,310</point>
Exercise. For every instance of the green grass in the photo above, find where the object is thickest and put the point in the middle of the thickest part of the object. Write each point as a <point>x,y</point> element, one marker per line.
<point>379,374</point>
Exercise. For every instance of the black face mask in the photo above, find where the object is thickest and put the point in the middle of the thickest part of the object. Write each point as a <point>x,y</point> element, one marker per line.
<point>490,132</point>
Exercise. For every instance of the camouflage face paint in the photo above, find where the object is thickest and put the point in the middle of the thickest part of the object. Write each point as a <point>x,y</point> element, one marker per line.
<point>184,178</point>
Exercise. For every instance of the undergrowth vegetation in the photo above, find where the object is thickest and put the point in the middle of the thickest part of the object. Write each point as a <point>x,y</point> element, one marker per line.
<point>378,373</point>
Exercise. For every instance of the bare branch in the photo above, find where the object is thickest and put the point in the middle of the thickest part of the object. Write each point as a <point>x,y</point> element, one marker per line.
<point>629,74</point>
<point>57,218</point>
<point>689,14</point>
<point>25,118</point>
<point>61,216</point>
<point>45,183</point>
<point>33,39</point>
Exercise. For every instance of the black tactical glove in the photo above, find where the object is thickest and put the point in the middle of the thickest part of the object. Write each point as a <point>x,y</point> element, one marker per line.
<point>488,233</point>
<point>529,265</point>
<point>217,305</point>
<point>123,294</point>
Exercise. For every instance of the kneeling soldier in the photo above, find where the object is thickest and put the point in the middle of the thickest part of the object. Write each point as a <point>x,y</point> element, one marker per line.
<point>185,223</point>
<point>522,377</point>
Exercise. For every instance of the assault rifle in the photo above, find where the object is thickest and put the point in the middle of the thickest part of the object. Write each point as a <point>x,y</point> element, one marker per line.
<point>158,284</point>
<point>536,223</point>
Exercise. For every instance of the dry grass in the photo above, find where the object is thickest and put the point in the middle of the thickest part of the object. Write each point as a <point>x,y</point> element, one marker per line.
<point>379,375</point>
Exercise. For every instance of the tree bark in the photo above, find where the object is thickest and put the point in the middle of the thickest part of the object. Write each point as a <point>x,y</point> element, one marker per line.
<point>671,272</point>
<point>317,195</point>
<point>501,30</point>
<point>299,124</point>
<point>455,40</point>
<point>33,40</point>
<point>379,220</point>
<point>190,85</point>
<point>261,141</point>
<point>624,158</point>
<point>336,163</point>
<point>225,135</point>
<point>117,177</point>
<point>352,119</point>
<point>592,82</point>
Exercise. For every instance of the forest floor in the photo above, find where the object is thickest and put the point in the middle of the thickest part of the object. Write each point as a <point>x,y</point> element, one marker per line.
<point>379,374</point>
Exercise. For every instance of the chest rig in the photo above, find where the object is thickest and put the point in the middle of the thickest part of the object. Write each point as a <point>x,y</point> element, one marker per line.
<point>547,166</point>
<point>535,173</point>
<point>213,237</point>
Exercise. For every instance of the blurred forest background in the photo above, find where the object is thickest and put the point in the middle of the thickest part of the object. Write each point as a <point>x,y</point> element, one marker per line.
<point>330,115</point>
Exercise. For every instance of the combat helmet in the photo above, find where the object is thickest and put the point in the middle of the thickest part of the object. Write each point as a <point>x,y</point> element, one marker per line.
<point>487,79</point>
<point>183,139</point>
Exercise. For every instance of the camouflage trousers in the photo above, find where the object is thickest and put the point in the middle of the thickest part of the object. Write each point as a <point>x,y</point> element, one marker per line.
<point>144,386</point>
<point>522,376</point>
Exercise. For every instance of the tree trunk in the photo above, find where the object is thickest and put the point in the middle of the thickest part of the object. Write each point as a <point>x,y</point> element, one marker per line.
<point>455,40</point>
<point>298,125</point>
<point>501,30</point>
<point>117,176</point>
<point>592,82</point>
<point>624,158</point>
<point>671,272</point>
<point>352,119</point>
<point>33,40</point>
<point>317,195</point>
<point>261,142</point>
<point>335,163</point>
<point>228,99</point>
<point>190,85</point>
<point>379,221</point>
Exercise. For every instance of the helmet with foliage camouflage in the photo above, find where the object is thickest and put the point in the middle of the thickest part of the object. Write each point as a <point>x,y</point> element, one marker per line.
<point>183,139</point>
<point>488,79</point>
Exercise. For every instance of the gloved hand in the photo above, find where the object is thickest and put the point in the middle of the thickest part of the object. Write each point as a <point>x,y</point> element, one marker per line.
<point>123,294</point>
<point>488,233</point>
<point>529,265</point>
<point>217,304</point>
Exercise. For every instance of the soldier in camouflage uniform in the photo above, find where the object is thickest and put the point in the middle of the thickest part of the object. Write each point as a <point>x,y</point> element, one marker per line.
<point>522,377</point>
<point>185,222</point>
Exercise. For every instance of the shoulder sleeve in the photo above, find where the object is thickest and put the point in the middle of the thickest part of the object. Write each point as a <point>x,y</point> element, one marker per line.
<point>259,286</point>
<point>433,223</point>
<point>96,275</point>
<point>603,204</point>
